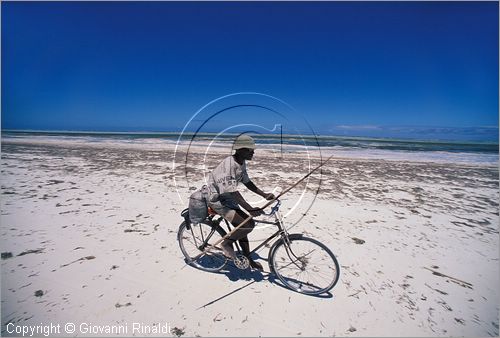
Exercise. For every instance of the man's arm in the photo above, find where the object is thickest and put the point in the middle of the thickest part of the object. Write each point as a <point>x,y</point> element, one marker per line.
<point>241,201</point>
<point>252,187</point>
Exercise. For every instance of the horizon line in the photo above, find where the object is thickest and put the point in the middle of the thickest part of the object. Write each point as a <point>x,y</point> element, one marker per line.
<point>310,135</point>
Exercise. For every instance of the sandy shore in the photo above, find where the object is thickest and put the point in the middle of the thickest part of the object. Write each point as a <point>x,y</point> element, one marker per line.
<point>89,238</point>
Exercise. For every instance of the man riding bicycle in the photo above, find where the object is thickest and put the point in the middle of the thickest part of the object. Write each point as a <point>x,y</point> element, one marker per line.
<point>225,199</point>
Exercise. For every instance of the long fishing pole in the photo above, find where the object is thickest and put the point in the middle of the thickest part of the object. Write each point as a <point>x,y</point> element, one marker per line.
<point>265,206</point>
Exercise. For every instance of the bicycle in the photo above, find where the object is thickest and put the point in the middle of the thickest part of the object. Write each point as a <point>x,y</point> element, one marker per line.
<point>301,263</point>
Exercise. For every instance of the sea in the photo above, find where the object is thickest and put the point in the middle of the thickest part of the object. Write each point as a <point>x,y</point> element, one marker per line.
<point>419,150</point>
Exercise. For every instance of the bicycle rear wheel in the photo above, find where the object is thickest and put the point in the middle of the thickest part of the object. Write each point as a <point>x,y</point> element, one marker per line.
<point>304,265</point>
<point>197,240</point>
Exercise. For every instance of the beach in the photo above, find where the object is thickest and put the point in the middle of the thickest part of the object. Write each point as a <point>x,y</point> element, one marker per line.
<point>89,237</point>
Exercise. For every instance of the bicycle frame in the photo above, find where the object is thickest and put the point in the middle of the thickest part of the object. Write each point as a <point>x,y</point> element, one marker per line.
<point>286,261</point>
<point>280,232</point>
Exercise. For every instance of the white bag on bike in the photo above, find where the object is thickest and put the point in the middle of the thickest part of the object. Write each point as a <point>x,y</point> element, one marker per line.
<point>198,207</point>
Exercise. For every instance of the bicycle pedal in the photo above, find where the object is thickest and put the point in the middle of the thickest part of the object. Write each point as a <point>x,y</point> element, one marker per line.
<point>241,262</point>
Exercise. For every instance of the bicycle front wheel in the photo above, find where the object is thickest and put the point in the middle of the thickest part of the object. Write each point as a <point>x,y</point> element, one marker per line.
<point>196,244</point>
<point>305,265</point>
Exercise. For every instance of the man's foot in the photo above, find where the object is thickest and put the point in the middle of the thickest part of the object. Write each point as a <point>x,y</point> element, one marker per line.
<point>227,249</point>
<point>255,265</point>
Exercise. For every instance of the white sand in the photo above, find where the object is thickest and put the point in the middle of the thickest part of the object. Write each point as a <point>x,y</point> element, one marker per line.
<point>74,203</point>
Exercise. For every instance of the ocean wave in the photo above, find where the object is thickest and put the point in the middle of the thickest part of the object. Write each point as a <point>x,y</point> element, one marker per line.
<point>359,148</point>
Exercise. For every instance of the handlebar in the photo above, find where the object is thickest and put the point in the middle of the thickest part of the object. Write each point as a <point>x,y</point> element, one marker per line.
<point>274,209</point>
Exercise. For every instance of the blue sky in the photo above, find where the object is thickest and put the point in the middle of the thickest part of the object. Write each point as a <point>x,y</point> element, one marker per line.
<point>150,66</point>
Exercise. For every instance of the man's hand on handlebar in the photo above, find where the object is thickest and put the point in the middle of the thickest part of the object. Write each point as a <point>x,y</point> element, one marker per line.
<point>269,196</point>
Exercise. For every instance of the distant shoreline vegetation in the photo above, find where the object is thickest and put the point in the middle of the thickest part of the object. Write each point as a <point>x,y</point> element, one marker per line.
<point>359,142</point>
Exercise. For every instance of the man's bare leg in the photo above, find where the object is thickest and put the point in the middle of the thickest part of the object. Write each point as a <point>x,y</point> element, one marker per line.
<point>241,235</point>
<point>245,246</point>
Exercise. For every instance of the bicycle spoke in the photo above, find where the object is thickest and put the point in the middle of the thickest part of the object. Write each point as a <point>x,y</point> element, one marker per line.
<point>305,266</point>
<point>199,239</point>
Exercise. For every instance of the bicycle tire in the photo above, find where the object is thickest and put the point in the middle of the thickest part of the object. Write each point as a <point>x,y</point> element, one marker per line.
<point>192,243</point>
<point>313,271</point>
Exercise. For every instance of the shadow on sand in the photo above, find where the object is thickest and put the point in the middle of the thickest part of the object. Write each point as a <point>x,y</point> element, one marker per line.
<point>253,276</point>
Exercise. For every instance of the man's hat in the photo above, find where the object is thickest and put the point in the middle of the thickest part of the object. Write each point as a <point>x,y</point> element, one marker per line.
<point>244,141</point>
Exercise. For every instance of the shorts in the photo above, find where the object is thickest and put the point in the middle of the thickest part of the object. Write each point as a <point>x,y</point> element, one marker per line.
<point>227,208</point>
